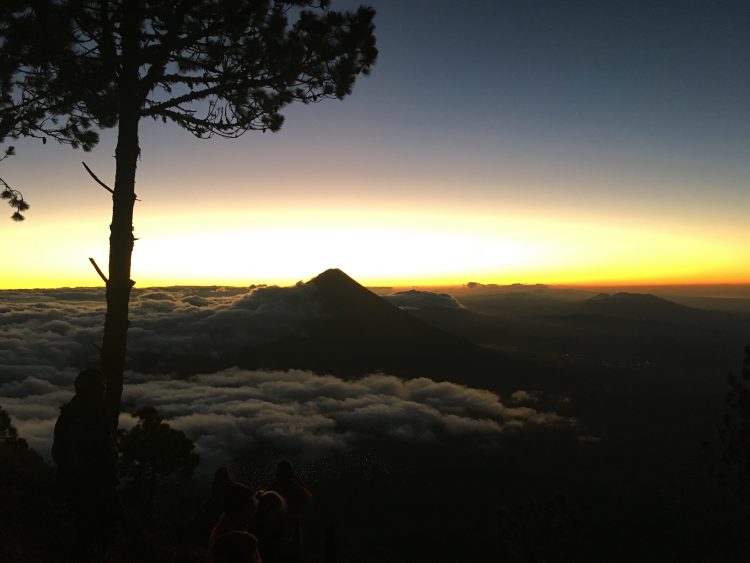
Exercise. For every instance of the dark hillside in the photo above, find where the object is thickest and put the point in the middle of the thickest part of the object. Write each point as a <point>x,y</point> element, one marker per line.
<point>643,306</point>
<point>359,332</point>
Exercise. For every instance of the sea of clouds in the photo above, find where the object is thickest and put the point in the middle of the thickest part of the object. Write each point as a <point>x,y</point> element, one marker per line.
<point>48,336</point>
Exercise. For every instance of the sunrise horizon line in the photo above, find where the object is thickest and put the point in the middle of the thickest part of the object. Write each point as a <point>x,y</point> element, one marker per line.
<point>398,283</point>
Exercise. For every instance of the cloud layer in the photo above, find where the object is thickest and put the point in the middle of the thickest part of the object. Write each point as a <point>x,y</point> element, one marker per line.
<point>419,299</point>
<point>43,332</point>
<point>47,336</point>
<point>295,411</point>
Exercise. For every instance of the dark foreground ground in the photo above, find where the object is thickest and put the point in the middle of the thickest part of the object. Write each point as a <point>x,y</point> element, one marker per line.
<point>637,477</point>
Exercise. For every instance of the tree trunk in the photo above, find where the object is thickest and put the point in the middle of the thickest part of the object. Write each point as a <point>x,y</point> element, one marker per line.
<point>119,284</point>
<point>120,252</point>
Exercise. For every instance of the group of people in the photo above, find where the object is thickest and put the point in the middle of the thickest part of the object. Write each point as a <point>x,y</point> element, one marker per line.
<point>261,526</point>
<point>253,527</point>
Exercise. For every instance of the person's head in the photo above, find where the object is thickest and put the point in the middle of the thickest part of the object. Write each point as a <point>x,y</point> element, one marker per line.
<point>284,470</point>
<point>90,384</point>
<point>236,547</point>
<point>223,474</point>
<point>222,478</point>
<point>271,505</point>
<point>239,503</point>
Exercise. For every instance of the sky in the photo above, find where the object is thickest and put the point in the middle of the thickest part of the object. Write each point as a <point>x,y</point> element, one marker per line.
<point>495,141</point>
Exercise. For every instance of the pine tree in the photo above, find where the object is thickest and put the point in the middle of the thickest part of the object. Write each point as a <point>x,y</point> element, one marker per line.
<point>12,196</point>
<point>151,453</point>
<point>213,67</point>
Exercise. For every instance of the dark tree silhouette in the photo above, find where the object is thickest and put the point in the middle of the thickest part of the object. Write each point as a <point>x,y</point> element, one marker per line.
<point>13,197</point>
<point>735,429</point>
<point>150,453</point>
<point>29,516</point>
<point>20,465</point>
<point>8,432</point>
<point>214,67</point>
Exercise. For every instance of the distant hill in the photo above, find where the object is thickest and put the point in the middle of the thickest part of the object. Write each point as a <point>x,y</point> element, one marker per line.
<point>639,306</point>
<point>625,329</point>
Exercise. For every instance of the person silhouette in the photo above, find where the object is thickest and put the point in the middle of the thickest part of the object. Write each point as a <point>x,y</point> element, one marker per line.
<point>270,527</point>
<point>222,478</point>
<point>84,451</point>
<point>237,514</point>
<point>215,505</point>
<point>296,497</point>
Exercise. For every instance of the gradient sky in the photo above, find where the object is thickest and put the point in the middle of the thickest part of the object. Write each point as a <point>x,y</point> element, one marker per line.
<point>496,141</point>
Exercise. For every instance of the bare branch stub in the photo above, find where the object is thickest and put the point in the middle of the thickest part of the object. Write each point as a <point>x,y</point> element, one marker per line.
<point>98,270</point>
<point>97,180</point>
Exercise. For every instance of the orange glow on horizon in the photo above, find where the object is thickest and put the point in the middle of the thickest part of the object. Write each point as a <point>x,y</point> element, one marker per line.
<point>455,280</point>
<point>381,246</point>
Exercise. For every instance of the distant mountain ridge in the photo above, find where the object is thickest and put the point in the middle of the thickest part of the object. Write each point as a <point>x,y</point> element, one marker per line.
<point>640,306</point>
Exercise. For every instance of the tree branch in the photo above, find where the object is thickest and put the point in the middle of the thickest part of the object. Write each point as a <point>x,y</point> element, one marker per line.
<point>98,181</point>
<point>98,271</point>
<point>156,109</point>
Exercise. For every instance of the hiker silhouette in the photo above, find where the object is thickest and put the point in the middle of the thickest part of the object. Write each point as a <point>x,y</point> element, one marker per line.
<point>84,452</point>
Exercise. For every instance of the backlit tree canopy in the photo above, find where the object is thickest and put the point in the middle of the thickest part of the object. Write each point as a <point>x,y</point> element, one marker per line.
<point>214,67</point>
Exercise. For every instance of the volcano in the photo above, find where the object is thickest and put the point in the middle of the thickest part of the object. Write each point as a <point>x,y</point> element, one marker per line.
<point>359,332</point>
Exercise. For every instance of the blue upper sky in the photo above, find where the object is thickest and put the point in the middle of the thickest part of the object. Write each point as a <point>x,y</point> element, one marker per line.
<point>635,113</point>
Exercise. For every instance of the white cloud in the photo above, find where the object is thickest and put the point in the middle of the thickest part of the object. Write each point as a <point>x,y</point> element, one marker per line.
<point>295,411</point>
<point>46,338</point>
<point>419,299</point>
